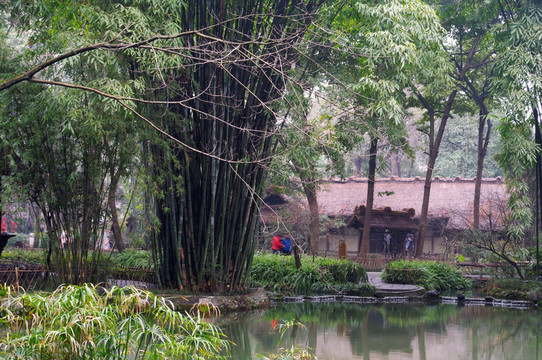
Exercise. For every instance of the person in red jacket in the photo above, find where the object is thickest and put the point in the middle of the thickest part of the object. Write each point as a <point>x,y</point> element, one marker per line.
<point>277,245</point>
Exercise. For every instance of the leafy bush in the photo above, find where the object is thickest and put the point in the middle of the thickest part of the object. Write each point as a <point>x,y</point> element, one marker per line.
<point>89,322</point>
<point>323,275</point>
<point>431,275</point>
<point>514,289</point>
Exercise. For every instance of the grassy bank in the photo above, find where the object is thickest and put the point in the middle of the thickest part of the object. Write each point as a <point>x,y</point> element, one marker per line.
<point>317,275</point>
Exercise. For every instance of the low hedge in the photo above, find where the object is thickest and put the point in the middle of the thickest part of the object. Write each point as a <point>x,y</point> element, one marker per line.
<point>432,275</point>
<point>321,275</point>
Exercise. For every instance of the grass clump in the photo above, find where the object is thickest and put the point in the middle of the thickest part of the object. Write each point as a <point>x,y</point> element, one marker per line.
<point>513,289</point>
<point>90,322</point>
<point>432,275</point>
<point>323,275</point>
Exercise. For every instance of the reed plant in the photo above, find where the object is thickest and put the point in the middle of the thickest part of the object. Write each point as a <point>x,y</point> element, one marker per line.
<point>92,322</point>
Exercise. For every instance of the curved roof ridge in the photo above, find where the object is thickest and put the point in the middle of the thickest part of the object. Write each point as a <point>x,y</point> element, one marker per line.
<point>354,179</point>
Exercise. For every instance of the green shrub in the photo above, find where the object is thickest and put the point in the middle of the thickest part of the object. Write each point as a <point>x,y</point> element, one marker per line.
<point>22,255</point>
<point>431,275</point>
<point>323,275</point>
<point>89,322</point>
<point>18,239</point>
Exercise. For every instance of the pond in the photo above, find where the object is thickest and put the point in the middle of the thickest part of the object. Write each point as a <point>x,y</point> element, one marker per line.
<point>390,331</point>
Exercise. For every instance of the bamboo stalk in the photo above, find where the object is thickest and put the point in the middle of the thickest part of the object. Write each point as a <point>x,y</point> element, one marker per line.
<point>17,279</point>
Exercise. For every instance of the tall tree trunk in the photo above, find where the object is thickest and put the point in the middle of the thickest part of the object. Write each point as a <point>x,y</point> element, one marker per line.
<point>538,139</point>
<point>310,192</point>
<point>363,248</point>
<point>119,241</point>
<point>357,169</point>
<point>3,171</point>
<point>483,142</point>
<point>434,144</point>
<point>1,208</point>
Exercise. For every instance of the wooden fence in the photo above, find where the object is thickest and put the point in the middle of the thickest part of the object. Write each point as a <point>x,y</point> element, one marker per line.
<point>41,278</point>
<point>28,279</point>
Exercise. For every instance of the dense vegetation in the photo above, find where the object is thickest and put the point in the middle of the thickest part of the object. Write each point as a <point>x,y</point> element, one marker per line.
<point>316,275</point>
<point>88,322</point>
<point>431,275</point>
<point>128,258</point>
<point>513,289</point>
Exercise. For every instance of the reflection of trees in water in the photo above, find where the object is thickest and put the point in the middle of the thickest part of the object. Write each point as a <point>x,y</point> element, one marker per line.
<point>329,313</point>
<point>488,332</point>
<point>376,334</point>
<point>503,333</point>
<point>241,348</point>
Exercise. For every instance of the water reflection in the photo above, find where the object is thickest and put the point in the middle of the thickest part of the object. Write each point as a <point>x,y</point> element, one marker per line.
<point>391,331</point>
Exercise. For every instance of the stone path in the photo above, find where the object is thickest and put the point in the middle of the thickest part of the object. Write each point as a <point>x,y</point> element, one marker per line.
<point>382,288</point>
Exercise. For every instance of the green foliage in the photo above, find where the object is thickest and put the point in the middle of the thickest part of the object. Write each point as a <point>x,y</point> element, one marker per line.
<point>127,258</point>
<point>515,289</point>
<point>132,258</point>
<point>323,275</point>
<point>517,157</point>
<point>18,239</point>
<point>89,322</point>
<point>458,150</point>
<point>459,258</point>
<point>431,275</point>
<point>519,72</point>
<point>22,255</point>
<point>295,352</point>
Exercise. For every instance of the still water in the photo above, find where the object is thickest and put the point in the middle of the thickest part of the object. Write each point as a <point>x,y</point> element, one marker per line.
<point>391,331</point>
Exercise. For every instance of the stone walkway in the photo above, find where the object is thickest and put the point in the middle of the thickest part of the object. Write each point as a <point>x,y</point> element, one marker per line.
<point>382,288</point>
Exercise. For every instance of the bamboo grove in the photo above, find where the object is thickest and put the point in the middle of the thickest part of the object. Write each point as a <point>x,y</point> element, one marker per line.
<point>225,113</point>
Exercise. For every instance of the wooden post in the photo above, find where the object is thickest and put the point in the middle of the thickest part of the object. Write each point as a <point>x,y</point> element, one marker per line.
<point>342,249</point>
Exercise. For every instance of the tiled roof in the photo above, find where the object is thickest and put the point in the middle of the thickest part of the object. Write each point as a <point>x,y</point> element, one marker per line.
<point>384,218</point>
<point>452,198</point>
